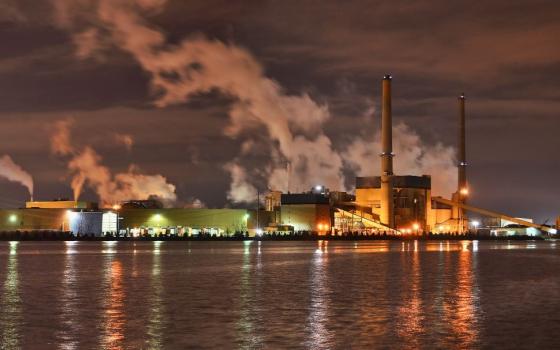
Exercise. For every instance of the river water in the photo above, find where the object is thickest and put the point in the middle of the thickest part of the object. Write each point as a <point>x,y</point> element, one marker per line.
<point>276,295</point>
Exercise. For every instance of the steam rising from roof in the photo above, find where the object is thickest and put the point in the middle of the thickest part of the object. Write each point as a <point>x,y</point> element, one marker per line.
<point>86,168</point>
<point>15,173</point>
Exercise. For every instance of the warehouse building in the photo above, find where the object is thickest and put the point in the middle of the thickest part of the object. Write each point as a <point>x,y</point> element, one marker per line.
<point>184,222</point>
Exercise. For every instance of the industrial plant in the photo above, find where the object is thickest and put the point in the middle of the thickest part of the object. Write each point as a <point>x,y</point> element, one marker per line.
<point>382,204</point>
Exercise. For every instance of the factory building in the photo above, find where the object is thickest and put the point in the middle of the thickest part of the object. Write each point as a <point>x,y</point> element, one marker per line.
<point>400,203</point>
<point>306,212</point>
<point>410,196</point>
<point>392,202</point>
<point>385,203</point>
<point>59,216</point>
<point>184,222</point>
<point>61,204</point>
<point>133,222</point>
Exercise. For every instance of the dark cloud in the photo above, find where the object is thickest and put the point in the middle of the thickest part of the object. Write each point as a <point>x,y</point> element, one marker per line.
<point>502,54</point>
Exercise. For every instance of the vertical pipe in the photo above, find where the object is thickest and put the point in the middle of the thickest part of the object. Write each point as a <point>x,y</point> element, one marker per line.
<point>387,210</point>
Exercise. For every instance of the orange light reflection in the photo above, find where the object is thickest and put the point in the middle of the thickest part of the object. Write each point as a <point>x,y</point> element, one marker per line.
<point>114,315</point>
<point>410,312</point>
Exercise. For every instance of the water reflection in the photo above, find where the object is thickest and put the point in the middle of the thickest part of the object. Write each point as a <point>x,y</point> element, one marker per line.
<point>319,335</point>
<point>69,301</point>
<point>109,247</point>
<point>248,338</point>
<point>155,323</point>
<point>11,318</point>
<point>461,308</point>
<point>114,318</point>
<point>465,322</point>
<point>410,312</point>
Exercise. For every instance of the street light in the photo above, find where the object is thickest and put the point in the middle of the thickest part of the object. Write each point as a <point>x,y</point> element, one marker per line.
<point>475,224</point>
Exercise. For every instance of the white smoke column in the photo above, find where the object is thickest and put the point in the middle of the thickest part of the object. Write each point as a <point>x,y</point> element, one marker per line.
<point>197,65</point>
<point>86,169</point>
<point>241,189</point>
<point>15,173</point>
<point>412,157</point>
<point>293,123</point>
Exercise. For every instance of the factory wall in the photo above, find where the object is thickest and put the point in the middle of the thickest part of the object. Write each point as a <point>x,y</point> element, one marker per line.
<point>33,219</point>
<point>369,198</point>
<point>307,217</point>
<point>83,223</point>
<point>87,223</point>
<point>441,219</point>
<point>184,221</point>
<point>411,200</point>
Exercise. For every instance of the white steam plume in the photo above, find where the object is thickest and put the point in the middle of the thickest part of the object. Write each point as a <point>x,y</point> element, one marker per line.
<point>294,123</point>
<point>198,65</point>
<point>242,190</point>
<point>15,173</point>
<point>86,169</point>
<point>412,157</point>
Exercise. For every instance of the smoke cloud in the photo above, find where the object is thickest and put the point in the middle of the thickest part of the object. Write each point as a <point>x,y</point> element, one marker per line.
<point>124,139</point>
<point>299,150</point>
<point>241,189</point>
<point>198,65</point>
<point>13,172</point>
<point>86,168</point>
<point>412,157</point>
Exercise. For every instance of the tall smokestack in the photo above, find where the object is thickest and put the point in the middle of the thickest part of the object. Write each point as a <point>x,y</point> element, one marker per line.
<point>463,189</point>
<point>387,211</point>
<point>462,149</point>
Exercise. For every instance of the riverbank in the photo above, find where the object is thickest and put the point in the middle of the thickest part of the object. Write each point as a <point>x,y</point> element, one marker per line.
<point>66,236</point>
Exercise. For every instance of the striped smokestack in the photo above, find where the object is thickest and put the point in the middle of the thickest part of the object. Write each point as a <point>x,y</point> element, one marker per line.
<point>387,215</point>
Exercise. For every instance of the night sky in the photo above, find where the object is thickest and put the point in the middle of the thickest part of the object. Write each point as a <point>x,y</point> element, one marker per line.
<point>97,63</point>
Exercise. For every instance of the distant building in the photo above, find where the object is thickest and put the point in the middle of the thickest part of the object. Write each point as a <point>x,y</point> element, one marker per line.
<point>184,222</point>
<point>514,230</point>
<point>61,204</point>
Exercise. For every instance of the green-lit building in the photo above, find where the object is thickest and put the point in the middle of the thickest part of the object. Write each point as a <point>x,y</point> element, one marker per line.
<point>189,221</point>
<point>148,218</point>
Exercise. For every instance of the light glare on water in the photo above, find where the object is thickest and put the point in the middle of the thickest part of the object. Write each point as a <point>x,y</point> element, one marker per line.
<point>314,295</point>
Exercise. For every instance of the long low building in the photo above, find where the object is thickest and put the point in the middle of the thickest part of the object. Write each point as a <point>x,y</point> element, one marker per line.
<point>188,221</point>
<point>58,219</point>
<point>85,219</point>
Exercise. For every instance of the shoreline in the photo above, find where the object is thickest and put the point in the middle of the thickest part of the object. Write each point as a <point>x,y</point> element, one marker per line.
<point>312,238</point>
